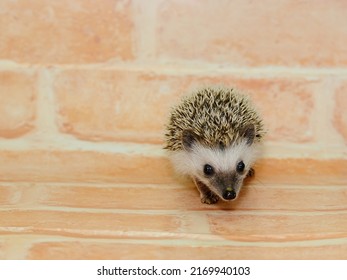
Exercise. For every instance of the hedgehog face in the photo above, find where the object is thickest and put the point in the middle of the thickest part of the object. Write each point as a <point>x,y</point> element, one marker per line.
<point>226,184</point>
<point>220,169</point>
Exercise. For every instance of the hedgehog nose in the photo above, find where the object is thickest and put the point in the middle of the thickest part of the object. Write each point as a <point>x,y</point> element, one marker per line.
<point>229,195</point>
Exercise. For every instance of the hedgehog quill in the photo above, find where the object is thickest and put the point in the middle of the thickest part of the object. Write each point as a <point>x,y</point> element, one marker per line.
<point>214,136</point>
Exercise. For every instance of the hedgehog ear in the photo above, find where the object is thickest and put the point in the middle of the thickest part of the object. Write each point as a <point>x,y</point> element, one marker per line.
<point>249,134</point>
<point>188,139</point>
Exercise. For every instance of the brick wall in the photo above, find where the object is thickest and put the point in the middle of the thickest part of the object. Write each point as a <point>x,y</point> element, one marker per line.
<point>81,71</point>
<point>85,79</point>
<point>85,89</point>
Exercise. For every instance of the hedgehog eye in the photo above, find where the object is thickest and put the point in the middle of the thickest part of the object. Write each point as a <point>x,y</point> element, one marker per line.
<point>208,170</point>
<point>240,167</point>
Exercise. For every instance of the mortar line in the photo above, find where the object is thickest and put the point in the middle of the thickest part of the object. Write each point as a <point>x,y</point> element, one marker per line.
<point>33,238</point>
<point>46,123</point>
<point>179,68</point>
<point>178,212</point>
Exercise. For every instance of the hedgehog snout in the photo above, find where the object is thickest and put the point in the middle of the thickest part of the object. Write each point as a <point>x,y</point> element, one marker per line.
<point>229,194</point>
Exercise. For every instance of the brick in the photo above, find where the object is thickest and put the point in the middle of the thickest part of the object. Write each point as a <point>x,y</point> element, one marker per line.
<point>260,196</point>
<point>135,105</point>
<point>129,196</point>
<point>254,196</point>
<point>81,31</point>
<point>114,105</point>
<point>9,195</point>
<point>18,103</point>
<point>125,251</point>
<point>87,166</point>
<point>312,172</point>
<point>85,224</point>
<point>340,116</point>
<point>91,166</point>
<point>286,33</point>
<point>278,226</point>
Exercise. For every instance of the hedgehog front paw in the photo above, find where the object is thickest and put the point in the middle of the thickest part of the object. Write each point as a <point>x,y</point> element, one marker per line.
<point>206,195</point>
<point>209,198</point>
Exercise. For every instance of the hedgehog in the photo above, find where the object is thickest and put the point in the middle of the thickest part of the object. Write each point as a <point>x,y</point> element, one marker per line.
<point>214,136</point>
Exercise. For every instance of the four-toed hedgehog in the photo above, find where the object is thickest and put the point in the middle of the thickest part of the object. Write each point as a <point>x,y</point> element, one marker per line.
<point>214,136</point>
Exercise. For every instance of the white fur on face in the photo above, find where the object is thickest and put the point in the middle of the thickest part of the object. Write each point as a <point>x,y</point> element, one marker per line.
<point>192,162</point>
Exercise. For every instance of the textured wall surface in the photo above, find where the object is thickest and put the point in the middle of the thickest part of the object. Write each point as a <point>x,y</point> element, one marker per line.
<point>85,90</point>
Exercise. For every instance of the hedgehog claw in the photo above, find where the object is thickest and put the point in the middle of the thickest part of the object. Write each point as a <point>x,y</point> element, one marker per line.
<point>210,199</point>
